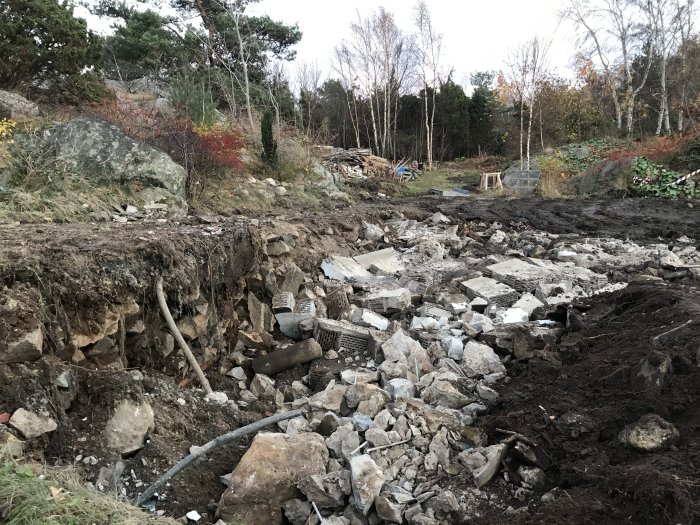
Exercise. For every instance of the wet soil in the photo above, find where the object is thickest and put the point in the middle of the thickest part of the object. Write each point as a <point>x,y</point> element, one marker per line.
<point>625,218</point>
<point>575,405</point>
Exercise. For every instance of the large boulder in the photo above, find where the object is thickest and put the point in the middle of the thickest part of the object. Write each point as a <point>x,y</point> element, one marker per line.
<point>128,427</point>
<point>267,475</point>
<point>649,434</point>
<point>16,107</point>
<point>102,149</point>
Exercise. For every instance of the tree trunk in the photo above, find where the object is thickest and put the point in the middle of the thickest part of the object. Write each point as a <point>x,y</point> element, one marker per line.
<point>244,63</point>
<point>529,131</point>
<point>541,131</point>
<point>374,124</point>
<point>522,128</point>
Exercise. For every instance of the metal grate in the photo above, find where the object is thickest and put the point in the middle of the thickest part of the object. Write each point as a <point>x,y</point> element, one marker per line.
<point>353,344</point>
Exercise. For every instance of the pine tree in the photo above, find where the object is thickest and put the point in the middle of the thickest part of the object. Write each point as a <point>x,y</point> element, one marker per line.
<point>269,143</point>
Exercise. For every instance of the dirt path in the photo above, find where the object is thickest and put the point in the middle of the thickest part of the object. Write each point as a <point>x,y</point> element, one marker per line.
<point>620,218</point>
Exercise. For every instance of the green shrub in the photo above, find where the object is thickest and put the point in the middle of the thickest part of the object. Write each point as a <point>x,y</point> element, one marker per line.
<point>652,179</point>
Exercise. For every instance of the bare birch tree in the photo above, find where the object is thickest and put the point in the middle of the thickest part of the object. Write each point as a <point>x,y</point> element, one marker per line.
<point>343,66</point>
<point>617,31</point>
<point>308,78</point>
<point>373,65</point>
<point>429,43</point>
<point>685,20</point>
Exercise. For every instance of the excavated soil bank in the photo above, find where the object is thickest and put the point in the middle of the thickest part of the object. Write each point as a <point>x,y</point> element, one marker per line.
<point>572,402</point>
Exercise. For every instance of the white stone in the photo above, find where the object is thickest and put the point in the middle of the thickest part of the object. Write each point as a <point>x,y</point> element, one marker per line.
<point>237,373</point>
<point>31,424</point>
<point>367,481</point>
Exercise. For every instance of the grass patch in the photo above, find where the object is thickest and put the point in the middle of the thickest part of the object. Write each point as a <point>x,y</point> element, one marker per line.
<point>32,494</point>
<point>442,180</point>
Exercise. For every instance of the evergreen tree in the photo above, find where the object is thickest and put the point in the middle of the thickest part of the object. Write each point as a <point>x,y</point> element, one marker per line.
<point>42,43</point>
<point>269,143</point>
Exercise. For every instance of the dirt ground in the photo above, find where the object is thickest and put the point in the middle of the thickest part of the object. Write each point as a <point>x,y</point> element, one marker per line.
<point>625,218</point>
<point>573,405</point>
<point>576,404</point>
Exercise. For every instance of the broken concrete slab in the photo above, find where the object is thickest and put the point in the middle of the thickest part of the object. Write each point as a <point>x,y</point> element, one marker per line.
<point>528,302</point>
<point>387,301</point>
<point>385,261</point>
<point>345,269</point>
<point>369,319</point>
<point>334,335</point>
<point>283,302</point>
<point>433,310</point>
<point>490,290</point>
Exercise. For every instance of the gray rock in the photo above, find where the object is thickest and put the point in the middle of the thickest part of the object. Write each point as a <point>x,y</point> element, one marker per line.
<point>442,393</point>
<point>441,447</point>
<point>400,388</point>
<point>31,424</point>
<point>389,510</point>
<point>327,490</point>
<point>649,434</point>
<point>367,480</point>
<point>362,422</point>
<point>371,232</point>
<point>384,419</point>
<point>531,476</point>
<point>261,318</point>
<point>237,373</point>
<point>480,359</point>
<point>486,393</point>
<point>446,501</point>
<point>102,149</point>
<point>329,399</point>
<point>25,346</point>
<point>263,388</point>
<point>297,511</point>
<point>359,375</point>
<point>377,437</point>
<point>483,462</point>
<point>16,107</point>
<point>128,427</point>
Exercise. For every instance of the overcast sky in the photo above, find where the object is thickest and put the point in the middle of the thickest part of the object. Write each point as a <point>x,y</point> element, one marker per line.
<point>478,34</point>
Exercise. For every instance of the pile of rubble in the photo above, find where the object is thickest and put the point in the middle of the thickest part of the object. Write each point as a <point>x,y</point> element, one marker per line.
<point>405,347</point>
<point>358,163</point>
<point>392,355</point>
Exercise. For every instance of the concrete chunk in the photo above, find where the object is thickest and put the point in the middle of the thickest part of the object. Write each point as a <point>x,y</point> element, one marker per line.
<point>385,261</point>
<point>345,269</point>
<point>490,290</point>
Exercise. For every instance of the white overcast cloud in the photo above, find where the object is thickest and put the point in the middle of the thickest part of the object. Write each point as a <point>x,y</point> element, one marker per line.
<point>478,34</point>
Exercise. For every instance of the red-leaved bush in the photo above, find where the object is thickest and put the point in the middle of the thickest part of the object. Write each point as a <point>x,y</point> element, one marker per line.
<point>203,152</point>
